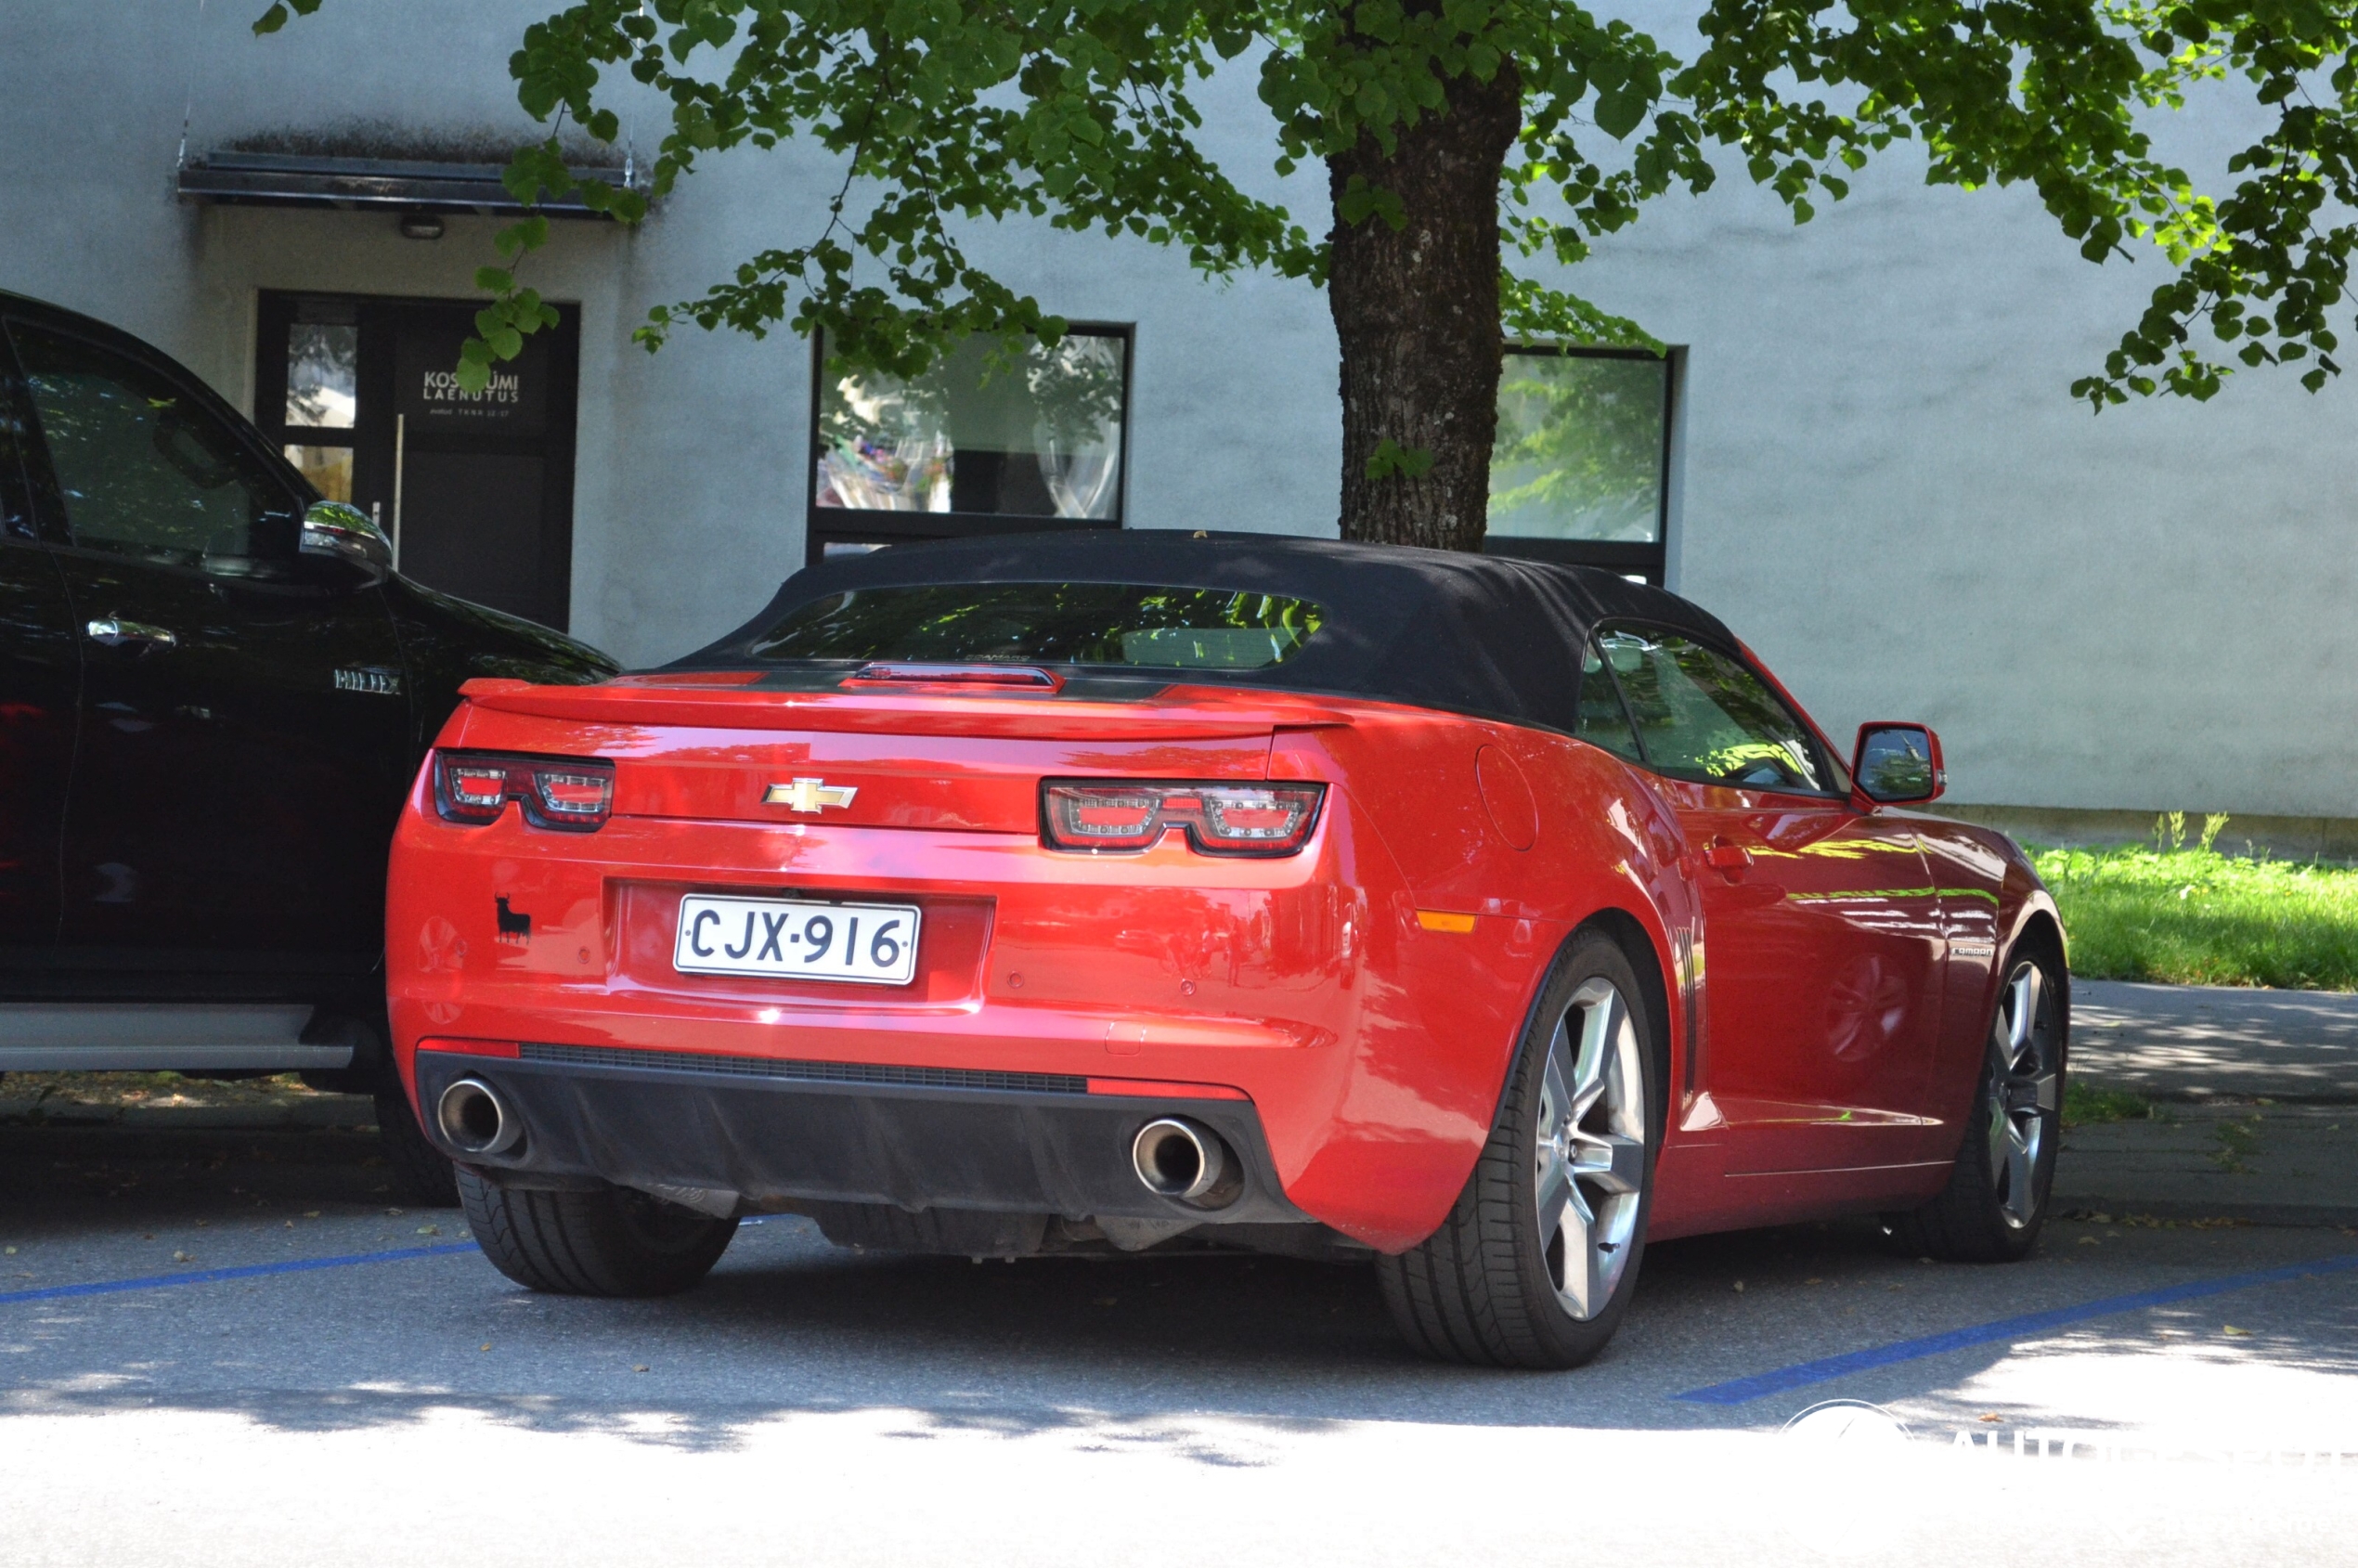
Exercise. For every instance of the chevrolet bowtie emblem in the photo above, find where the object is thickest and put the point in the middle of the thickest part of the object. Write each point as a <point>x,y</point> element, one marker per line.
<point>811,796</point>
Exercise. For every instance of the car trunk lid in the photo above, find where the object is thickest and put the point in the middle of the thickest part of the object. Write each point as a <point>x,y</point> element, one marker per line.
<point>716,749</point>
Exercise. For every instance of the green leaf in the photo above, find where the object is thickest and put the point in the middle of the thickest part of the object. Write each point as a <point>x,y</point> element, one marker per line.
<point>1619,111</point>
<point>1390,457</point>
<point>275,17</point>
<point>1360,200</point>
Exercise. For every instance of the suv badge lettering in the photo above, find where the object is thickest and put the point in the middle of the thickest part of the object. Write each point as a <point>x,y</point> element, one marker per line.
<point>808,796</point>
<point>376,682</point>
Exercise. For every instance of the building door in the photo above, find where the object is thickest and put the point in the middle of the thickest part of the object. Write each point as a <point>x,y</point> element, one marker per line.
<point>475,488</point>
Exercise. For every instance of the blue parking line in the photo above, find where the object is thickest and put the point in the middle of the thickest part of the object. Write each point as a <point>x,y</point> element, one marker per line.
<point>248,1271</point>
<point>253,1271</point>
<point>1826,1368</point>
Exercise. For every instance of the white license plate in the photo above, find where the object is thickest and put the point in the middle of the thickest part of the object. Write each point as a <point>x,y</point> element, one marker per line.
<point>788,939</point>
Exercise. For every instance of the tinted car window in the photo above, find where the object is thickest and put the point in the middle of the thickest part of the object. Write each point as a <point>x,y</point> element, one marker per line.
<point>140,466</point>
<point>1603,721</point>
<point>1704,717</point>
<point>1130,624</point>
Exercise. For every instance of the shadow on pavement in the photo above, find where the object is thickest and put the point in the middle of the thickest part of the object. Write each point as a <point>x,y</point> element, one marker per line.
<point>41,1164</point>
<point>1172,1352</point>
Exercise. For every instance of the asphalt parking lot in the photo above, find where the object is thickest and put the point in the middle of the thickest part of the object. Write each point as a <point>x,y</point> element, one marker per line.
<point>300,1368</point>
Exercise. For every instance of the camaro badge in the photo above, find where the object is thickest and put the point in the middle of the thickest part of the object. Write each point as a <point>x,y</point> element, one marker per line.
<point>811,796</point>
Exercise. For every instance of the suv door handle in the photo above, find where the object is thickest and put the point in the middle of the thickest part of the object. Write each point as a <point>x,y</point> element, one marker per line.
<point>1729,858</point>
<point>114,633</point>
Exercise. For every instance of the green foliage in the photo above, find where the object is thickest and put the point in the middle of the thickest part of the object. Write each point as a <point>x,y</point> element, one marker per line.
<point>2085,1105</point>
<point>2058,96</point>
<point>2237,1142</point>
<point>2194,916</point>
<point>275,17</point>
<point>1081,113</point>
<point>1390,457</point>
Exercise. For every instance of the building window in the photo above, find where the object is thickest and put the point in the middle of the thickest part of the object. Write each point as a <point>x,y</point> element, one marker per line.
<point>970,446</point>
<point>1580,471</point>
<point>322,382</point>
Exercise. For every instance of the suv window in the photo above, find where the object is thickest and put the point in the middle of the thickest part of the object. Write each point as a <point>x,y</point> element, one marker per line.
<point>140,467</point>
<point>1702,716</point>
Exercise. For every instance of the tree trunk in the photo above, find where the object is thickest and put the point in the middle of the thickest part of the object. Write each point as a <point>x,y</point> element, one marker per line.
<point>1417,311</point>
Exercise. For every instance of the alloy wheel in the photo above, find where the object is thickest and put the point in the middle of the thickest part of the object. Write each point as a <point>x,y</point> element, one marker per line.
<point>1590,1161</point>
<point>2026,1090</point>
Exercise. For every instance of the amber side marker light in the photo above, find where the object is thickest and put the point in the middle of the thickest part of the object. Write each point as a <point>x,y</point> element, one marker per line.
<point>575,794</point>
<point>1096,816</point>
<point>1442,920</point>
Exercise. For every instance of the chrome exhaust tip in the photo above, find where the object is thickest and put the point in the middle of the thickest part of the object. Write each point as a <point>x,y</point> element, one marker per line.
<point>1187,1163</point>
<point>475,1119</point>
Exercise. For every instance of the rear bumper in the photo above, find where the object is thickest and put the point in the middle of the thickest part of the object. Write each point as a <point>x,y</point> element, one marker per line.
<point>774,1133</point>
<point>1369,1047</point>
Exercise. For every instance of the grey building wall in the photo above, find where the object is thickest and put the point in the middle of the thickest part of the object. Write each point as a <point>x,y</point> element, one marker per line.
<point>1878,479</point>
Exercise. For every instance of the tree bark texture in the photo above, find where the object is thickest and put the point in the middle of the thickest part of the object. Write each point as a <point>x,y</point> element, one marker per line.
<point>1417,311</point>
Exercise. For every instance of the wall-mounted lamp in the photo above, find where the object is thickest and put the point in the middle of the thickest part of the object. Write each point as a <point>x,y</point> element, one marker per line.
<point>420,225</point>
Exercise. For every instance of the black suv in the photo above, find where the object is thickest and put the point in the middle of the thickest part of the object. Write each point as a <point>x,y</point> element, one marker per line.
<point>214,695</point>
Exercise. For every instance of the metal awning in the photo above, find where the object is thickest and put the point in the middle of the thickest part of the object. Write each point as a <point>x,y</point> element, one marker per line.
<point>280,179</point>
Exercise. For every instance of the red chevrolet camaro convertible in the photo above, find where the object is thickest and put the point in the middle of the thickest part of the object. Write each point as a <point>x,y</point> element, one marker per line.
<point>1480,917</point>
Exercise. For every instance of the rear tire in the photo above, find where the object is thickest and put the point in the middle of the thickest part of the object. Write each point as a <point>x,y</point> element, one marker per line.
<point>1996,1202</point>
<point>1538,1259</point>
<point>611,1242</point>
<point>423,1175</point>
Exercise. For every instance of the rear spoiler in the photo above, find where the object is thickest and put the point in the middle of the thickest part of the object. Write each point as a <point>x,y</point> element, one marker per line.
<point>1181,713</point>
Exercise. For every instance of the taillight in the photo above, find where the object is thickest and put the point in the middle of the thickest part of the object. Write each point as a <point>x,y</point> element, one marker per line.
<point>1219,819</point>
<point>576,793</point>
<point>472,792</point>
<point>576,798</point>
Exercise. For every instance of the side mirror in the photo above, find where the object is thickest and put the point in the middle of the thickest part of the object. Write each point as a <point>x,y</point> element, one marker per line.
<point>343,533</point>
<point>1897,764</point>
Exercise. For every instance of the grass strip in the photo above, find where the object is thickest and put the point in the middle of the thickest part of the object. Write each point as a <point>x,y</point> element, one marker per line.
<point>2194,916</point>
<point>2087,1104</point>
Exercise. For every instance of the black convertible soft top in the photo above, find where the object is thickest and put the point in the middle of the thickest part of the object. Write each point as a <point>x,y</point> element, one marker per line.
<point>1489,635</point>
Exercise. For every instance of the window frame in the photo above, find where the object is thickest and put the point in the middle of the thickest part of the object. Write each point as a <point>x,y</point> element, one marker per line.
<point>278,312</point>
<point>1648,562</point>
<point>52,522</point>
<point>22,519</point>
<point>1839,775</point>
<point>853,525</point>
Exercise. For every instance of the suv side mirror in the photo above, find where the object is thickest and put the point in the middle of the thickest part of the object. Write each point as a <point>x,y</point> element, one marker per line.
<point>343,533</point>
<point>1897,764</point>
